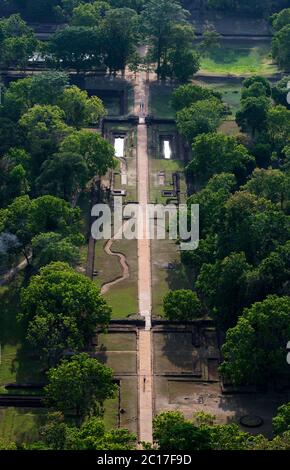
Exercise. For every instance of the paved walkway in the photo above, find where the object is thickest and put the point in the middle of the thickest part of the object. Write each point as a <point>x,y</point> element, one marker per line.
<point>145,386</point>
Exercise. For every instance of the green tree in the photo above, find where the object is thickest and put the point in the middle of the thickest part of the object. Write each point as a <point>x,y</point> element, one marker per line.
<point>201,117</point>
<point>281,47</point>
<point>17,42</point>
<point>224,436</point>
<point>253,113</point>
<point>280,92</point>
<point>215,153</point>
<point>211,201</point>
<point>210,40</point>
<point>63,175</point>
<point>251,225</point>
<point>193,260</point>
<point>11,135</point>
<point>80,110</point>
<point>77,47</point>
<point>272,274</point>
<point>16,99</point>
<point>16,221</point>
<point>119,31</point>
<point>279,126</point>
<point>257,79</point>
<point>270,184</point>
<point>89,14</point>
<point>52,214</point>
<point>62,310</point>
<point>281,422</point>
<point>222,286</point>
<point>172,430</point>
<point>157,19</point>
<point>42,10</point>
<point>15,175</point>
<point>50,247</point>
<point>173,433</point>
<point>96,151</point>
<point>254,350</point>
<point>183,305</point>
<point>281,19</point>
<point>24,219</point>
<point>45,128</point>
<point>182,61</point>
<point>47,87</point>
<point>43,89</point>
<point>81,384</point>
<point>186,95</point>
<point>91,435</point>
<point>133,4</point>
<point>5,444</point>
<point>255,90</point>
<point>184,64</point>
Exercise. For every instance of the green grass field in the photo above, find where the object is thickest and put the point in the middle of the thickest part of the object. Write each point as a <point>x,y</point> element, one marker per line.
<point>163,253</point>
<point>21,425</point>
<point>239,59</point>
<point>160,101</point>
<point>18,362</point>
<point>122,297</point>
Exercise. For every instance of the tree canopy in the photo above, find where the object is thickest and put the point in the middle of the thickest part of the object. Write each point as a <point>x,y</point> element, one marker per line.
<point>62,310</point>
<point>254,350</point>
<point>80,384</point>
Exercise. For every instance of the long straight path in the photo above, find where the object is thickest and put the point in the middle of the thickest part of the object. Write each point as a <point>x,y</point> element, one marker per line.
<point>145,385</point>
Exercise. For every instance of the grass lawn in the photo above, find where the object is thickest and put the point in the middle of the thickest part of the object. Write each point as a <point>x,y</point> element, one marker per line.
<point>165,251</point>
<point>164,278</point>
<point>21,425</point>
<point>231,93</point>
<point>111,413</point>
<point>117,341</point>
<point>168,166</point>
<point>122,297</point>
<point>242,57</point>
<point>18,362</point>
<point>128,403</point>
<point>160,101</point>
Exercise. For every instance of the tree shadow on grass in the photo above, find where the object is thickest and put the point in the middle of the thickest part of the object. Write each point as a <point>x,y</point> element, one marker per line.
<point>177,277</point>
<point>25,364</point>
<point>178,350</point>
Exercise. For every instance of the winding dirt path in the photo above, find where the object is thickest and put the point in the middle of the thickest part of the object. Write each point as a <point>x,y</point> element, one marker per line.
<point>122,260</point>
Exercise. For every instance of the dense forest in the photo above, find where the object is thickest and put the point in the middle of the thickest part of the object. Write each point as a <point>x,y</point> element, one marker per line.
<point>59,10</point>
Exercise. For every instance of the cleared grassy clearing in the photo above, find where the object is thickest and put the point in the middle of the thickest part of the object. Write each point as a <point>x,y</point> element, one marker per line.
<point>111,413</point>
<point>122,297</point>
<point>117,341</point>
<point>240,57</point>
<point>21,425</point>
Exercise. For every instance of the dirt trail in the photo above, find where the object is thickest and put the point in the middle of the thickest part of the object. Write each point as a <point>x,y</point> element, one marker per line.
<point>122,260</point>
